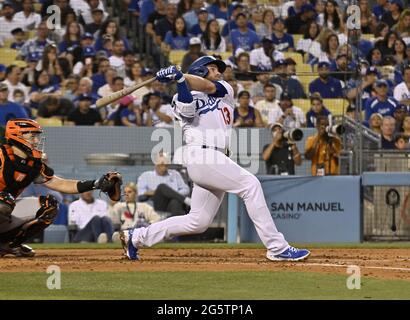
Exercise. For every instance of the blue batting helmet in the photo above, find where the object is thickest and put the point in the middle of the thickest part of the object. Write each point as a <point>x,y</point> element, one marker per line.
<point>198,67</point>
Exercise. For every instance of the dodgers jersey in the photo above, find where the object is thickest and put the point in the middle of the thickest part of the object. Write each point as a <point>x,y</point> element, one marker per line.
<point>212,123</point>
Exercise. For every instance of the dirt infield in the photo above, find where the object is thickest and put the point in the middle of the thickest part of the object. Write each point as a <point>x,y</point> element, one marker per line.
<point>380,263</point>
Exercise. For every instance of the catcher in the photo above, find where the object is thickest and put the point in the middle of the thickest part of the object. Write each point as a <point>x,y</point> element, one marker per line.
<point>21,164</point>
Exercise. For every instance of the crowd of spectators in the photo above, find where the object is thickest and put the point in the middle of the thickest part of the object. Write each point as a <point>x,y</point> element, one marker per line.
<point>61,69</point>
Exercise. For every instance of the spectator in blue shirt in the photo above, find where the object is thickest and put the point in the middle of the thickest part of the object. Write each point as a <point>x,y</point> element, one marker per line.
<point>231,25</point>
<point>243,37</point>
<point>19,41</point>
<point>98,78</point>
<point>71,38</point>
<point>219,9</point>
<point>327,86</point>
<point>9,110</point>
<point>289,85</point>
<point>191,17</point>
<point>282,40</point>
<point>296,8</point>
<point>199,28</point>
<point>147,7</point>
<point>387,129</point>
<point>381,103</point>
<point>177,38</point>
<point>316,110</point>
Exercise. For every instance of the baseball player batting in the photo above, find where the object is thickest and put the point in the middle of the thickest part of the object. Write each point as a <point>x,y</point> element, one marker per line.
<point>206,116</point>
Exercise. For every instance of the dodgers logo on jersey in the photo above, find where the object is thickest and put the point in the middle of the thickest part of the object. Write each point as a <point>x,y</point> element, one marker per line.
<point>205,106</point>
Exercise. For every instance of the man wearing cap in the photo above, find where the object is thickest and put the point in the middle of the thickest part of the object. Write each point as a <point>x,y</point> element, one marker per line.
<point>327,86</point>
<point>8,21</point>
<point>365,87</point>
<point>8,109</point>
<point>295,24</point>
<point>243,37</point>
<point>84,68</point>
<point>399,114</point>
<point>29,18</point>
<point>281,155</point>
<point>98,18</point>
<point>264,58</point>
<point>339,69</point>
<point>192,16</point>
<point>290,116</point>
<point>193,53</point>
<point>402,91</point>
<point>288,84</point>
<point>83,115</point>
<point>199,28</point>
<point>231,24</point>
<point>87,12</point>
<point>282,40</point>
<point>381,103</point>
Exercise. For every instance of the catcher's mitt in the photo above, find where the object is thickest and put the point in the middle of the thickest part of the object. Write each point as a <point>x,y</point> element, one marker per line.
<point>110,183</point>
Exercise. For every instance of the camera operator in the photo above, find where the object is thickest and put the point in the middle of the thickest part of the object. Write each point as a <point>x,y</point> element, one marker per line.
<point>323,149</point>
<point>282,154</point>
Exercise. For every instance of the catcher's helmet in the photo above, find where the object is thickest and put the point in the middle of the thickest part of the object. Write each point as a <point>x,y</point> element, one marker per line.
<point>16,128</point>
<point>198,67</point>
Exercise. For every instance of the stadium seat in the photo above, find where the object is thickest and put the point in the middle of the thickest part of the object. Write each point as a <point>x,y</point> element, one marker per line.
<point>7,56</point>
<point>37,7</point>
<point>336,106</point>
<point>7,43</point>
<point>296,38</point>
<point>368,36</point>
<point>49,122</point>
<point>295,56</point>
<point>304,69</point>
<point>304,104</point>
<point>176,56</point>
<point>20,63</point>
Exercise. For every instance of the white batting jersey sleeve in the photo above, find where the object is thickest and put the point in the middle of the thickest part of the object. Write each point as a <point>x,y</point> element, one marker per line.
<point>211,119</point>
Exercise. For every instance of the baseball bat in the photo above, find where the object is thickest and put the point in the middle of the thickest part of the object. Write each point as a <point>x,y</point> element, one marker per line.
<point>121,93</point>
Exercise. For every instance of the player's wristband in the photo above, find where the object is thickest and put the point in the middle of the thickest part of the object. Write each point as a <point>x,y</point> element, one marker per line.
<point>85,185</point>
<point>182,79</point>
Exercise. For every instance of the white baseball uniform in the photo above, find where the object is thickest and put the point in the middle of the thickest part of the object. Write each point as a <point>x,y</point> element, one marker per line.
<point>208,126</point>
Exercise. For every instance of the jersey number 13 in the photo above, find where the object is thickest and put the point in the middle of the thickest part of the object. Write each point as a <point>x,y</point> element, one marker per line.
<point>226,114</point>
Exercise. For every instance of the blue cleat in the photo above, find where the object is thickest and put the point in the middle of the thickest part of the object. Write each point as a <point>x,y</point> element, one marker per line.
<point>290,254</point>
<point>130,251</point>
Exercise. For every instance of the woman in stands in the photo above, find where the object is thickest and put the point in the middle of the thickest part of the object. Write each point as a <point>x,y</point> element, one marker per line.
<point>177,38</point>
<point>71,38</point>
<point>134,75</point>
<point>332,44</point>
<point>43,88</point>
<point>265,29</point>
<point>332,17</point>
<point>211,39</point>
<point>245,115</point>
<point>111,29</point>
<point>309,44</point>
<point>400,54</point>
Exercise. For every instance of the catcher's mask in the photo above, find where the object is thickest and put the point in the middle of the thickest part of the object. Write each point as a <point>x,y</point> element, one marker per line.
<point>27,135</point>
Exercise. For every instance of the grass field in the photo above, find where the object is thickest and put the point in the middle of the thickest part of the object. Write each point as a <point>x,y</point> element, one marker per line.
<point>189,283</point>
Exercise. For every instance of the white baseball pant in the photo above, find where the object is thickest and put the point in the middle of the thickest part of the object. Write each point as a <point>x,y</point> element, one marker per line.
<point>213,174</point>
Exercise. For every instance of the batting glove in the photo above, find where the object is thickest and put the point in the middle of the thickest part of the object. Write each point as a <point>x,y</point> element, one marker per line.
<point>168,74</point>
